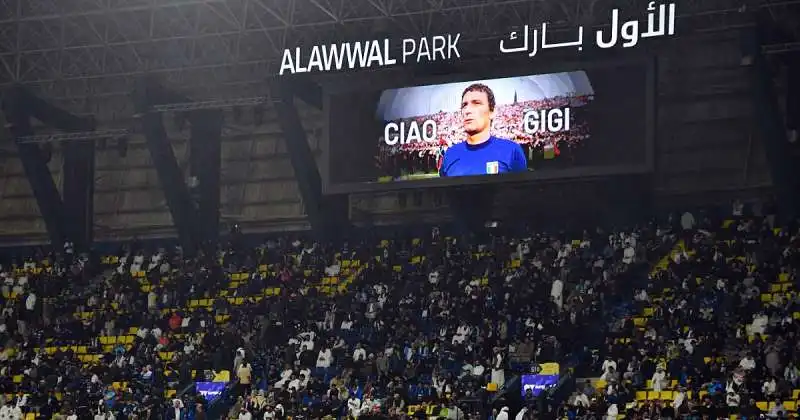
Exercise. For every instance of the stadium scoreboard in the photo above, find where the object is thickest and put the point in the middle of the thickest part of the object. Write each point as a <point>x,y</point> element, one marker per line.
<point>544,122</point>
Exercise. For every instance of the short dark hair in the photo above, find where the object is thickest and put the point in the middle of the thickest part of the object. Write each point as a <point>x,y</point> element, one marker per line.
<point>480,87</point>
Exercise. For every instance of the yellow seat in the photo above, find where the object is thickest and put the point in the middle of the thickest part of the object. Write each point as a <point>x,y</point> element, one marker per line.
<point>666,395</point>
<point>641,395</point>
<point>600,384</point>
<point>17,379</point>
<point>762,405</point>
<point>766,297</point>
<point>790,405</point>
<point>223,376</point>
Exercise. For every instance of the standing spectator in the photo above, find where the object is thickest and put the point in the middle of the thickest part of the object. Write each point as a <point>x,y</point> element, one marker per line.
<point>244,375</point>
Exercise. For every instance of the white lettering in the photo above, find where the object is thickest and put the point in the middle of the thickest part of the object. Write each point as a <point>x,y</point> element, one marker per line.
<point>440,47</point>
<point>439,42</point>
<point>409,46</point>
<point>298,62</point>
<point>452,46</point>
<point>423,50</point>
<point>286,62</point>
<point>547,121</point>
<point>315,61</point>
<point>429,130</point>
<point>387,50</point>
<point>409,132</point>
<point>357,55</point>
<point>390,134</point>
<point>362,54</point>
<point>333,57</point>
<point>375,54</point>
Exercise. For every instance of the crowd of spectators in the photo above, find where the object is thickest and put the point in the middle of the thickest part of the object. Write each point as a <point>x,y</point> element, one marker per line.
<point>411,327</point>
<point>711,333</point>
<point>386,327</point>
<point>424,157</point>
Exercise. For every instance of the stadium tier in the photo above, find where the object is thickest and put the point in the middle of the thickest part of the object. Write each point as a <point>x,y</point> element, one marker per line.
<point>395,327</point>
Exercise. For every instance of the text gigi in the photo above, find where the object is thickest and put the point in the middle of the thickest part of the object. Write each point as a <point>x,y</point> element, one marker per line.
<point>541,121</point>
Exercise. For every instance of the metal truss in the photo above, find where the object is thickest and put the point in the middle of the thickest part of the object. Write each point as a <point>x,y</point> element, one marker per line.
<point>122,132</point>
<point>217,104</point>
<point>85,53</point>
<point>78,136</point>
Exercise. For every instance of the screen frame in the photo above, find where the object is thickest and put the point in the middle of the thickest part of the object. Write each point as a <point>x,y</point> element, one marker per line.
<point>407,79</point>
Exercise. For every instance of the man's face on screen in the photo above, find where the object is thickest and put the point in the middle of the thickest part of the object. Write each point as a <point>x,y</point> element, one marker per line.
<point>475,112</point>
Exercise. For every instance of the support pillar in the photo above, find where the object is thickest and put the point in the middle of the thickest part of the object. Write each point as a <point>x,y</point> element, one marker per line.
<point>770,122</point>
<point>71,218</point>
<point>206,150</point>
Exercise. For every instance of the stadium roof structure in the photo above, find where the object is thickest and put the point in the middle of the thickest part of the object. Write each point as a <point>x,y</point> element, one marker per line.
<point>87,54</point>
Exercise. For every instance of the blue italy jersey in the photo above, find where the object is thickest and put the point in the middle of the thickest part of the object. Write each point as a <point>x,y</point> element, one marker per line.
<point>494,156</point>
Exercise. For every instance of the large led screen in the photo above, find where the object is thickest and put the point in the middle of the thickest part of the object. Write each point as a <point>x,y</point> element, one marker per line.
<point>508,128</point>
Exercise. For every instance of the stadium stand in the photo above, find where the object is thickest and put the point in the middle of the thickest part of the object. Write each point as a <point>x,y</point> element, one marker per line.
<point>712,334</point>
<point>389,327</point>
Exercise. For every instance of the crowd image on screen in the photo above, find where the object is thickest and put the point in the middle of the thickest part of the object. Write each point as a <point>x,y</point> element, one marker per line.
<point>425,157</point>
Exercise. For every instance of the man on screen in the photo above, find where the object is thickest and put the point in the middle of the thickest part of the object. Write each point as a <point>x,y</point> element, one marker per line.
<point>481,153</point>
